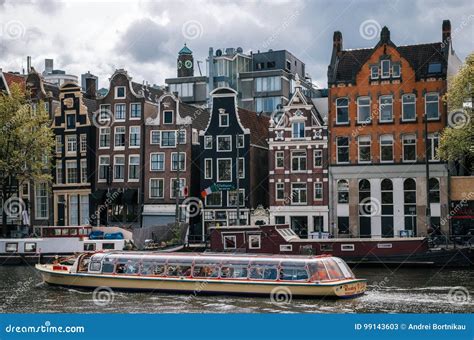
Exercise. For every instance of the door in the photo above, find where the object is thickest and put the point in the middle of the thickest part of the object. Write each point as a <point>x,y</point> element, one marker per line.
<point>365,227</point>
<point>61,210</point>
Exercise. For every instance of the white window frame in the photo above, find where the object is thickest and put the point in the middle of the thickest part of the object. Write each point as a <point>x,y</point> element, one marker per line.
<point>320,156</point>
<point>130,137</point>
<point>293,136</point>
<point>286,247</point>
<point>431,138</point>
<point>364,139</point>
<point>293,196</point>
<point>220,200</point>
<point>241,168</point>
<point>120,147</point>
<point>241,192</point>
<point>171,163</point>
<point>206,139</point>
<point>406,95</point>
<point>223,115</point>
<point>404,138</point>
<point>46,198</point>
<point>102,180</point>
<point>372,73</point>
<point>162,180</point>
<point>151,163</point>
<point>382,62</point>
<point>59,144</point>
<point>342,106</point>
<point>104,134</point>
<point>116,96</point>
<point>399,70</point>
<point>74,166</point>
<point>73,140</point>
<point>347,247</point>
<point>124,112</point>
<point>426,104</point>
<point>277,153</point>
<point>140,106</point>
<point>129,166</point>
<point>230,143</point>
<point>346,147</point>
<point>380,109</point>
<point>114,179</point>
<point>224,237</point>
<point>208,167</point>
<point>231,169</point>
<point>181,180</point>
<point>321,185</point>
<point>279,186</point>
<point>382,138</point>
<point>153,132</point>
<point>255,237</point>
<point>59,171</point>
<point>369,119</point>
<point>175,139</point>
<point>299,160</point>
<point>172,117</point>
<point>83,171</point>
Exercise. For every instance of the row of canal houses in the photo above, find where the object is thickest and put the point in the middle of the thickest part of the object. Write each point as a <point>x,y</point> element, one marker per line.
<point>352,166</point>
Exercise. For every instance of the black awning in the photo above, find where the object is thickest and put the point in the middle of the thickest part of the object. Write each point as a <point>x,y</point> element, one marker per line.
<point>114,197</point>
<point>130,196</point>
<point>98,196</point>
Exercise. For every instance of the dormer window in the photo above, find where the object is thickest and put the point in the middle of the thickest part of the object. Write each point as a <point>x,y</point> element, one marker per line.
<point>434,68</point>
<point>120,92</point>
<point>168,117</point>
<point>385,65</point>
<point>298,130</point>
<point>224,120</point>
<point>374,72</point>
<point>395,70</point>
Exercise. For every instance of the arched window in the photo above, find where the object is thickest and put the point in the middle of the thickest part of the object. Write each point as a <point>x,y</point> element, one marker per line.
<point>364,197</point>
<point>343,191</point>
<point>387,207</point>
<point>409,198</point>
<point>434,190</point>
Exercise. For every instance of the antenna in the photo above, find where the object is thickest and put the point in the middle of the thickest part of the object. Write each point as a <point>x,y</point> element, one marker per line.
<point>199,62</point>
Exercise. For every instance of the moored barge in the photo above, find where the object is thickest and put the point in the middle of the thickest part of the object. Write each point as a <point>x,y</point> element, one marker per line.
<point>300,276</point>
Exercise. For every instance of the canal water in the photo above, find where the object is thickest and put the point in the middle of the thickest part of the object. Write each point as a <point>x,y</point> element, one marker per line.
<point>404,290</point>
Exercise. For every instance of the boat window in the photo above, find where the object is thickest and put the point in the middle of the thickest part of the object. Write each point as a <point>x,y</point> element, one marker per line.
<point>108,246</point>
<point>205,271</point>
<point>89,246</point>
<point>130,266</point>
<point>73,232</point>
<point>237,270</point>
<point>65,232</point>
<point>179,268</point>
<point>262,271</point>
<point>318,271</point>
<point>293,272</point>
<point>326,247</point>
<point>94,266</point>
<point>348,274</point>
<point>11,247</point>
<point>156,268</point>
<point>334,271</point>
<point>30,247</point>
<point>108,265</point>
<point>57,232</point>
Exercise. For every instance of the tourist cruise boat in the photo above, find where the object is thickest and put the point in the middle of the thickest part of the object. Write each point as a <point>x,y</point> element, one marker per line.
<point>205,273</point>
<point>58,241</point>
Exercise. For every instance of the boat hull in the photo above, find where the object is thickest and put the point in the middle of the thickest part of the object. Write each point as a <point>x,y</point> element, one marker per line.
<point>340,289</point>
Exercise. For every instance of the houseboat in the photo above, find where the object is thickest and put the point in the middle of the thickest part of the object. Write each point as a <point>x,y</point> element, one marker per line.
<point>396,251</point>
<point>300,276</point>
<point>50,242</point>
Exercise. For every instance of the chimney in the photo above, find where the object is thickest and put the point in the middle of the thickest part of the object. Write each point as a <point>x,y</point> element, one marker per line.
<point>28,64</point>
<point>446,36</point>
<point>91,87</point>
<point>337,42</point>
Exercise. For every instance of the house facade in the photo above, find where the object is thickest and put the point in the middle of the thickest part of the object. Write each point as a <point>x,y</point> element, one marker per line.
<point>233,162</point>
<point>74,157</point>
<point>385,117</point>
<point>298,166</point>
<point>119,121</point>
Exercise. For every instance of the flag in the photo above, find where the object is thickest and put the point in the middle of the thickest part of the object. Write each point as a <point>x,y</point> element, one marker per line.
<point>209,190</point>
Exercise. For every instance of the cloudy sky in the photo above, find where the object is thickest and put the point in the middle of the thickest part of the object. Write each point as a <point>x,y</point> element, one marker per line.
<point>145,36</point>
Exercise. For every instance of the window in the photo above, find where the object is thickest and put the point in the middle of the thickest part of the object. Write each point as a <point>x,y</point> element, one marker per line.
<point>41,200</point>
<point>183,89</point>
<point>71,172</point>
<point>342,144</point>
<point>11,247</point>
<point>119,92</point>
<point>214,199</point>
<point>267,84</point>
<point>182,136</point>
<point>232,198</point>
<point>255,241</point>
<point>59,144</point>
<point>386,148</point>
<point>241,167</point>
<point>280,220</point>
<point>156,188</point>
<point>207,142</point>
<point>59,171</point>
<point>342,111</point>
<point>286,247</point>
<point>240,141</point>
<point>298,161</point>
<point>30,247</point>
<point>208,168</point>
<point>135,110</point>
<point>71,144</point>
<point>119,137</point>
<point>363,110</point>
<point>298,193</point>
<point>119,168</point>
<point>434,190</point>
<point>432,105</point>
<point>318,158</point>
<point>267,104</point>
<point>168,117</point>
<point>104,162</point>
<point>83,143</point>
<point>409,148</point>
<point>70,121</point>
<point>279,191</point>
<point>433,143</point>
<point>230,242</point>
<point>105,114</point>
<point>178,160</point>
<point>84,174</point>
<point>133,167</point>
<point>157,162</point>
<point>224,120</point>
<point>385,65</point>
<point>119,112</point>
<point>408,107</point>
<point>385,109</point>
<point>409,199</point>
<point>155,137</point>
<point>364,149</point>
<point>298,130</point>
<point>89,246</point>
<point>434,68</point>
<point>374,72</point>
<point>175,185</point>
<point>104,137</point>
<point>134,140</point>
<point>342,191</point>
<point>224,170</point>
<point>224,143</point>
<point>318,190</point>
<point>168,139</point>
<point>387,207</point>
<point>396,70</point>
<point>279,159</point>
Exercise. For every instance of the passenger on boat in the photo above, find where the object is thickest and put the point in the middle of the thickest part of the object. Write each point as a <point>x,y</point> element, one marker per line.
<point>120,268</point>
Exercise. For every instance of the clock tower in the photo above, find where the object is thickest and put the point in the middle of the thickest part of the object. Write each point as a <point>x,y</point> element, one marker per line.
<point>185,62</point>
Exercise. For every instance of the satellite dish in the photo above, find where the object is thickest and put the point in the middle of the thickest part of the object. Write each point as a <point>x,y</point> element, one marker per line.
<point>218,53</point>
<point>240,50</point>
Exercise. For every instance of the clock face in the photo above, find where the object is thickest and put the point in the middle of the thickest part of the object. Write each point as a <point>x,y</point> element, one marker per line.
<point>188,63</point>
<point>180,64</point>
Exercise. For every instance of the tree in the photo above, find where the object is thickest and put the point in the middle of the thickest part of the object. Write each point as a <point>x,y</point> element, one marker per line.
<point>26,142</point>
<point>457,139</point>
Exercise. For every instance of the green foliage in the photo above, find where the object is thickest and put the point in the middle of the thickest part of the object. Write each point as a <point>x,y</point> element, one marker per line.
<point>26,140</point>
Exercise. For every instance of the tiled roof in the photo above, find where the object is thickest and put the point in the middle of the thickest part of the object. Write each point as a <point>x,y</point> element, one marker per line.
<point>199,116</point>
<point>151,94</point>
<point>53,88</point>
<point>91,104</point>
<point>12,78</point>
<point>257,124</point>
